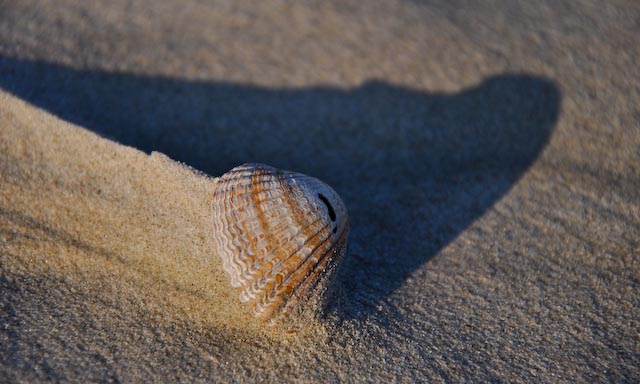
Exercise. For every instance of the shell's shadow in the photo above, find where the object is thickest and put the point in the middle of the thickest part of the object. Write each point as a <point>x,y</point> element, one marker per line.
<point>414,168</point>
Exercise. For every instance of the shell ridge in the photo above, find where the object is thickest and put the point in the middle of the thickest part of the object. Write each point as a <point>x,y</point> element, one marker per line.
<point>309,284</point>
<point>295,250</point>
<point>280,263</point>
<point>219,240</point>
<point>260,221</point>
<point>236,258</point>
<point>245,270</point>
<point>234,271</point>
<point>247,293</point>
<point>269,299</point>
<point>325,254</point>
<point>258,284</point>
<point>309,258</point>
<point>225,244</point>
<point>285,182</point>
<point>258,175</point>
<point>244,192</point>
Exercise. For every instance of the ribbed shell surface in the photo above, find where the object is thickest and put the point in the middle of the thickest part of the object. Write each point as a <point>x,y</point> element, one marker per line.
<point>277,233</point>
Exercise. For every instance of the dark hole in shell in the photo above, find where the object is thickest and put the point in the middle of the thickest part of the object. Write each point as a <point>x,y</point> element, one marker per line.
<point>332,213</point>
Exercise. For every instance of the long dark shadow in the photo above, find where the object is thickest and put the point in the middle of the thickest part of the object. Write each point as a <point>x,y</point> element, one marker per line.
<point>414,168</point>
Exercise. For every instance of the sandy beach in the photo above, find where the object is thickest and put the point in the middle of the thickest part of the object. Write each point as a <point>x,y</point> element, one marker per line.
<point>488,154</point>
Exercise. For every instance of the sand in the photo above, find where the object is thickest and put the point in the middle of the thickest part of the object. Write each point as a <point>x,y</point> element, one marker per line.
<point>488,155</point>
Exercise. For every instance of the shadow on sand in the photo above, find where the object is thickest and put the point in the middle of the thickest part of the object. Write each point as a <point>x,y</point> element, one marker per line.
<point>414,168</point>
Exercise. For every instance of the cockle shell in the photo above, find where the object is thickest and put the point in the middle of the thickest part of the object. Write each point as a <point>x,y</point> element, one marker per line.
<point>280,235</point>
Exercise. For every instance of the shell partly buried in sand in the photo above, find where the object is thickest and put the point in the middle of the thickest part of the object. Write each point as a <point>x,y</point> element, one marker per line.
<point>280,235</point>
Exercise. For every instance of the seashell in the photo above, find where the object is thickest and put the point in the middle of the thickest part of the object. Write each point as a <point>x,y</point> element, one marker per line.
<point>281,235</point>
